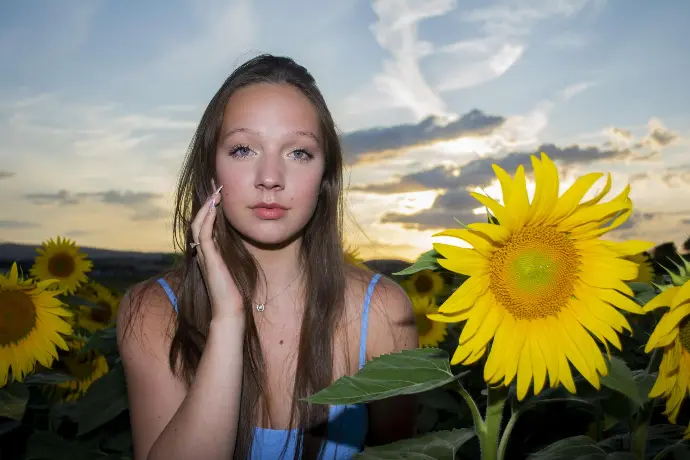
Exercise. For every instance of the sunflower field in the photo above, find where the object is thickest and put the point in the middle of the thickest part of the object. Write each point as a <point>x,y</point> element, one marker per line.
<point>540,339</point>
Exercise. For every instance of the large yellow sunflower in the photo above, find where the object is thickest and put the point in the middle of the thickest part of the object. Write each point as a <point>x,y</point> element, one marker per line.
<point>86,367</point>
<point>672,335</point>
<point>431,333</point>
<point>31,324</point>
<point>645,273</point>
<point>424,283</point>
<point>541,283</point>
<point>63,261</point>
<point>102,313</point>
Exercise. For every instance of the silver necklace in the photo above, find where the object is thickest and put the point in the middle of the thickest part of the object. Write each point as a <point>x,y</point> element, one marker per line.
<point>261,306</point>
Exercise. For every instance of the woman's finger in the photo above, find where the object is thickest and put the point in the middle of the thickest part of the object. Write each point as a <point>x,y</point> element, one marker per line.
<point>207,245</point>
<point>198,220</point>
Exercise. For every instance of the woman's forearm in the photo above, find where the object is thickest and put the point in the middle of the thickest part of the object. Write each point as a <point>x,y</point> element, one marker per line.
<point>205,424</point>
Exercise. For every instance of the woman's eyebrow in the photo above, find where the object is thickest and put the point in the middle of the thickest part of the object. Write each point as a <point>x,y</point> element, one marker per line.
<point>308,134</point>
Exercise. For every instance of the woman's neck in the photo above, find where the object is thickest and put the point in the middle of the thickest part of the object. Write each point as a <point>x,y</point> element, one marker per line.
<point>280,267</point>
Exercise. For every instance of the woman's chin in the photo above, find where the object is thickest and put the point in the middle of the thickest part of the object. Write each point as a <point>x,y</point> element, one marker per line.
<point>270,238</point>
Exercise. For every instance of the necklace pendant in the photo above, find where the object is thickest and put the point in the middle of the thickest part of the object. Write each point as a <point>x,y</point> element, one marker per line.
<point>259,307</point>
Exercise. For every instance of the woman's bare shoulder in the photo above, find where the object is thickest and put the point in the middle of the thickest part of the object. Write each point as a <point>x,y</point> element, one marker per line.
<point>392,324</point>
<point>146,308</point>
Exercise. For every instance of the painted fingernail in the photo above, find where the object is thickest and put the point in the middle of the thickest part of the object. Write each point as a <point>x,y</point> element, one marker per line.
<point>218,191</point>
<point>213,205</point>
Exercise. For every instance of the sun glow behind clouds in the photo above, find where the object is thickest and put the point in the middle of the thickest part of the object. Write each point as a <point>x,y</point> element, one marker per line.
<point>476,145</point>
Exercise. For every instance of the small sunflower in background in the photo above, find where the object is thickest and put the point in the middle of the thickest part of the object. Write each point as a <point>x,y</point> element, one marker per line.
<point>61,260</point>
<point>424,283</point>
<point>103,310</point>
<point>645,273</point>
<point>672,336</point>
<point>32,325</point>
<point>431,333</point>
<point>85,367</point>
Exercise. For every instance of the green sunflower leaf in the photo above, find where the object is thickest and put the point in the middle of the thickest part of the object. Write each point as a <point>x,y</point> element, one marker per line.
<point>438,445</point>
<point>577,447</point>
<point>105,399</point>
<point>403,373</point>
<point>621,379</point>
<point>426,261</point>
<point>13,400</point>
<point>103,340</point>
<point>47,378</point>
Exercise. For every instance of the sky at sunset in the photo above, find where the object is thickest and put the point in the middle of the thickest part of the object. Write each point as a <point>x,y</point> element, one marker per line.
<point>99,101</point>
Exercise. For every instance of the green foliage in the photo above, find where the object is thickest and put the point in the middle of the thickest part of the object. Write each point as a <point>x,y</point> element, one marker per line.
<point>455,422</point>
<point>426,261</point>
<point>440,445</point>
<point>395,374</point>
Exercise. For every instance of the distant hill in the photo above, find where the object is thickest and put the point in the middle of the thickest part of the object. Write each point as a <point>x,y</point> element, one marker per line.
<point>12,251</point>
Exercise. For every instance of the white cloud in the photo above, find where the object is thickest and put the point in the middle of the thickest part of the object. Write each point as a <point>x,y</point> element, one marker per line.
<point>479,65</point>
<point>574,90</point>
<point>503,34</point>
<point>53,144</point>
<point>401,84</point>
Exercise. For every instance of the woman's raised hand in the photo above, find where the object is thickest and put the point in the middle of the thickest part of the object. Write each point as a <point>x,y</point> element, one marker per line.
<point>226,300</point>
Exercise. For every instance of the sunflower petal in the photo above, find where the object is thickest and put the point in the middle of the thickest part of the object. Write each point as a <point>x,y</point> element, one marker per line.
<point>663,299</point>
<point>465,296</point>
<point>667,322</point>
<point>569,201</point>
<point>461,260</point>
<point>524,373</point>
<point>497,233</point>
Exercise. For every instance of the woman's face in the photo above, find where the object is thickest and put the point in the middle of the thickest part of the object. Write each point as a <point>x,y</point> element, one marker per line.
<point>270,161</point>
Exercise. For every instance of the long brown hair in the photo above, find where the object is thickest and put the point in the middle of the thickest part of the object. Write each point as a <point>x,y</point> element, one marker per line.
<point>321,256</point>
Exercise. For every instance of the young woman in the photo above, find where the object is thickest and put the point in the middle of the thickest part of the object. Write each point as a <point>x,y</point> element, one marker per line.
<point>263,311</point>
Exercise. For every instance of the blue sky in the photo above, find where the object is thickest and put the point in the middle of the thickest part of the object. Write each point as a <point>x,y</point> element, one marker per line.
<point>99,99</point>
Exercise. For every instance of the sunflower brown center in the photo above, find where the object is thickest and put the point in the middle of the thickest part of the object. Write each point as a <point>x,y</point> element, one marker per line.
<point>17,316</point>
<point>80,365</point>
<point>61,265</point>
<point>101,312</point>
<point>423,284</point>
<point>423,324</point>
<point>533,275</point>
<point>684,333</point>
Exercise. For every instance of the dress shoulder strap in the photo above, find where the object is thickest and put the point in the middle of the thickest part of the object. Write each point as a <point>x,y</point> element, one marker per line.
<point>169,292</point>
<point>365,320</point>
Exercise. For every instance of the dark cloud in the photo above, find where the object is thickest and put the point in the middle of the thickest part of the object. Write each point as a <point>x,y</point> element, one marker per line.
<point>447,207</point>
<point>142,203</point>
<point>358,144</point>
<point>14,224</point>
<point>671,177</point>
<point>6,174</point>
<point>658,138</point>
<point>65,197</point>
<point>62,198</point>
<point>637,218</point>
<point>480,173</point>
<point>624,133</point>
<point>662,137</point>
<point>126,198</point>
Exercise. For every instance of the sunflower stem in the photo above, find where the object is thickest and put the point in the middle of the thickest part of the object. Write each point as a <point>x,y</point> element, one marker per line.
<point>505,436</point>
<point>640,423</point>
<point>488,440</point>
<point>476,416</point>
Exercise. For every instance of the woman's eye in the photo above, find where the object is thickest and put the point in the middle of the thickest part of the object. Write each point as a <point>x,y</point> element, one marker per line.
<point>240,151</point>
<point>302,155</point>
